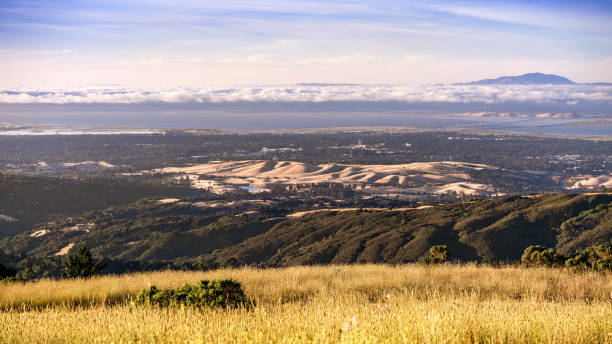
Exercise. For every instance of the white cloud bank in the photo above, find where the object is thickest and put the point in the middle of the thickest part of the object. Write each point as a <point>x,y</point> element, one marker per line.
<point>570,94</point>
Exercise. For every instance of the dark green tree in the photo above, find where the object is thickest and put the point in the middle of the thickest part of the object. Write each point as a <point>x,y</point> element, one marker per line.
<point>82,264</point>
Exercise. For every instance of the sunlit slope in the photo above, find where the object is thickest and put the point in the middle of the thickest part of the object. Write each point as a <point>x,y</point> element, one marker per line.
<point>441,177</point>
<point>493,229</point>
<point>490,229</point>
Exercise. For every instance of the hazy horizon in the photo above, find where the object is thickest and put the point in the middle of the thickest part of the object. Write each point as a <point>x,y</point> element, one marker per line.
<point>268,63</point>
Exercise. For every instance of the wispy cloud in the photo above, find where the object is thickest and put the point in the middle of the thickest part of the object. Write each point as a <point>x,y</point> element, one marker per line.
<point>9,52</point>
<point>354,59</point>
<point>274,60</point>
<point>259,58</point>
<point>531,14</point>
<point>246,41</point>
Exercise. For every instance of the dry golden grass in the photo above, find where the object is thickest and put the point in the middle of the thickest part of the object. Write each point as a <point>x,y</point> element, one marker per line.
<point>367,303</point>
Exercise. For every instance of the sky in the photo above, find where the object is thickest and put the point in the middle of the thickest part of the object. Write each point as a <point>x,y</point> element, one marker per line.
<point>183,43</point>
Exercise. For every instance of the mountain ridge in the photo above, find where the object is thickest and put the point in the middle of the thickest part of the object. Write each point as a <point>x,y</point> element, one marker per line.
<point>531,79</point>
<point>490,229</point>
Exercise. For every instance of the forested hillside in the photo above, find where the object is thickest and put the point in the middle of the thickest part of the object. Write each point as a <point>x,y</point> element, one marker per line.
<point>260,233</point>
<point>26,200</point>
<point>490,229</point>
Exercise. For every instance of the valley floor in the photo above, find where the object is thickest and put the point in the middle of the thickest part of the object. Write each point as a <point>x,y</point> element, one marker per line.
<point>331,304</point>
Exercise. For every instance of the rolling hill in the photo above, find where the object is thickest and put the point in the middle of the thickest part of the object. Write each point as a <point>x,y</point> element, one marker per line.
<point>27,200</point>
<point>433,177</point>
<point>532,79</point>
<point>267,234</point>
<point>525,79</point>
<point>490,229</point>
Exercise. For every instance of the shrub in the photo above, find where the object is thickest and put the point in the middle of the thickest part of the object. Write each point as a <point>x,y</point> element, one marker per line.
<point>537,255</point>
<point>437,254</point>
<point>216,293</point>
<point>82,264</point>
<point>604,264</point>
<point>579,262</point>
<point>596,257</point>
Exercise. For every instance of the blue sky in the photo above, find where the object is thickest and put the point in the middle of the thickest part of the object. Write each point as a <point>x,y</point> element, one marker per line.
<point>182,43</point>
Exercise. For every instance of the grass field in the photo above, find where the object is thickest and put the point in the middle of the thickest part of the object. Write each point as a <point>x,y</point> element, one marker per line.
<point>334,304</point>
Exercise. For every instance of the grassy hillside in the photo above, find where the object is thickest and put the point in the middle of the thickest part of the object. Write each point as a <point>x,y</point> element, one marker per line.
<point>26,200</point>
<point>494,229</point>
<point>333,304</point>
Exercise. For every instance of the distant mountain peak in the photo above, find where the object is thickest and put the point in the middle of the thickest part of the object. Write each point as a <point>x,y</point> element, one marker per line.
<point>525,79</point>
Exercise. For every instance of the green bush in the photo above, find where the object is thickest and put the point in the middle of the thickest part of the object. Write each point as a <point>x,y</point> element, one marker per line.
<point>596,257</point>
<point>536,255</point>
<point>216,293</point>
<point>437,254</point>
<point>578,263</point>
<point>604,264</point>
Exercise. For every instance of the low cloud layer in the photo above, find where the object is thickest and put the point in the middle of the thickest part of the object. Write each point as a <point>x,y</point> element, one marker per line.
<point>496,94</point>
